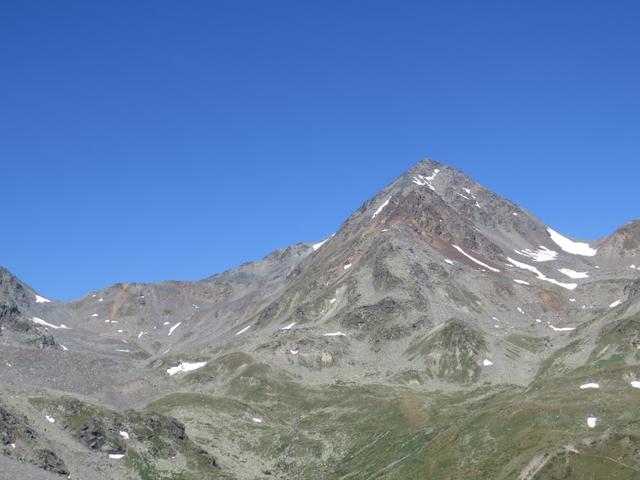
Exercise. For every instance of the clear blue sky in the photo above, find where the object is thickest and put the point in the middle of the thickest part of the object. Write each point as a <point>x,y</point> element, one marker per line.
<point>142,141</point>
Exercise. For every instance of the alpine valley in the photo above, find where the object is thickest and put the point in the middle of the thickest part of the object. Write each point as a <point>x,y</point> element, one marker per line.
<point>442,332</point>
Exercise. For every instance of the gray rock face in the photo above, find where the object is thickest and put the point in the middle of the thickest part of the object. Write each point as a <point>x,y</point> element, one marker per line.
<point>434,284</point>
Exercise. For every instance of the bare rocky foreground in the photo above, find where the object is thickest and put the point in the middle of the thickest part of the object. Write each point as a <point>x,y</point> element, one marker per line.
<point>441,332</point>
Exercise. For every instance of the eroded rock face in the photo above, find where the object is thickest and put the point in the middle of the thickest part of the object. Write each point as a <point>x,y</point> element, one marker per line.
<point>48,460</point>
<point>15,429</point>
<point>23,330</point>
<point>91,435</point>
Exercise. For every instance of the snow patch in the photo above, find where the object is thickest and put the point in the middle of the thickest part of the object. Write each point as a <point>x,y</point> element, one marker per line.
<point>487,363</point>
<point>573,274</point>
<point>380,208</point>
<point>347,266</point>
<point>570,246</point>
<point>333,300</point>
<point>540,275</point>
<point>542,254</point>
<point>63,347</point>
<point>474,259</point>
<point>450,262</point>
<point>561,329</point>
<point>521,282</point>
<point>592,422</point>
<point>334,334</point>
<point>50,419</point>
<point>40,299</point>
<point>635,384</point>
<point>423,180</point>
<point>171,330</point>
<point>185,367</point>
<point>293,352</point>
<point>257,419</point>
<point>124,435</point>
<point>589,385</point>
<point>243,330</point>
<point>116,456</point>
<point>316,246</point>
<point>615,304</point>
<point>39,321</point>
<point>284,328</point>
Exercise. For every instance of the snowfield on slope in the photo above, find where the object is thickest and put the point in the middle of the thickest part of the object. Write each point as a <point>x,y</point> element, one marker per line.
<point>542,254</point>
<point>570,246</point>
<point>573,274</point>
<point>540,275</point>
<point>185,367</point>
<point>380,208</point>
<point>39,321</point>
<point>474,259</point>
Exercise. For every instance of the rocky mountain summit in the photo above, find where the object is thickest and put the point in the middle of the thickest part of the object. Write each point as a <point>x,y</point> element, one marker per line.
<point>441,332</point>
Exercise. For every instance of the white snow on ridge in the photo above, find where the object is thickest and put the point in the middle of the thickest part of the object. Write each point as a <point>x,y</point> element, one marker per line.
<point>589,385</point>
<point>347,266</point>
<point>333,334</point>
<point>540,275</point>
<point>333,300</point>
<point>573,274</point>
<point>288,326</point>
<point>257,419</point>
<point>40,299</point>
<point>542,254</point>
<point>521,282</point>
<point>116,456</point>
<point>450,262</point>
<point>63,347</point>
<point>185,367</point>
<point>615,304</point>
<point>474,259</point>
<point>39,321</point>
<point>592,422</point>
<point>50,419</point>
<point>243,330</point>
<point>487,363</point>
<point>570,246</point>
<point>424,180</point>
<point>316,246</point>
<point>174,327</point>
<point>635,384</point>
<point>124,435</point>
<point>380,208</point>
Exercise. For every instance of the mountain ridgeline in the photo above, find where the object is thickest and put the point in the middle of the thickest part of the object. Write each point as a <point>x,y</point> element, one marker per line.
<point>442,332</point>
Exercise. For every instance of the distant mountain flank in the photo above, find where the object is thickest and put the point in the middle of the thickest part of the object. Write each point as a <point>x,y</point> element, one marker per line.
<point>441,332</point>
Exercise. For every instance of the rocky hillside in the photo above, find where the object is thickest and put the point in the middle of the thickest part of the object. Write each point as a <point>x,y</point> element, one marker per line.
<point>441,332</point>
